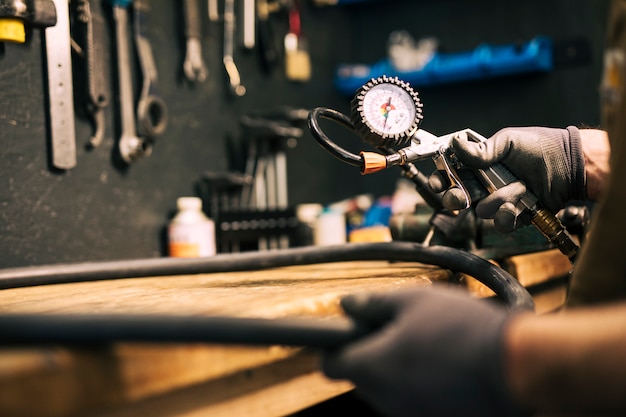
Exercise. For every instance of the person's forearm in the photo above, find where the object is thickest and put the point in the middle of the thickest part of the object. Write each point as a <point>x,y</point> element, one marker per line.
<point>572,362</point>
<point>596,151</point>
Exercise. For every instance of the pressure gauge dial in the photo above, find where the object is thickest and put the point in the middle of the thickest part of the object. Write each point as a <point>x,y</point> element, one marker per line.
<point>386,112</point>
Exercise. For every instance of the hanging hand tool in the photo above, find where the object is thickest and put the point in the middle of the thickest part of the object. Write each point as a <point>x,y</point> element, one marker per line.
<point>297,59</point>
<point>249,20</point>
<point>194,68</point>
<point>15,13</point>
<point>94,31</point>
<point>267,47</point>
<point>60,89</point>
<point>130,145</point>
<point>151,109</point>
<point>229,46</point>
<point>214,14</point>
<point>272,137</point>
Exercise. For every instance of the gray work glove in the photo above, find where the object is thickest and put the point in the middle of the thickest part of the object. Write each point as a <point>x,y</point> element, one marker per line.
<point>437,352</point>
<point>547,161</point>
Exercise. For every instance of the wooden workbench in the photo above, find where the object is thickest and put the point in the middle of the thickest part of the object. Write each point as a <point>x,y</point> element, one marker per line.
<point>196,379</point>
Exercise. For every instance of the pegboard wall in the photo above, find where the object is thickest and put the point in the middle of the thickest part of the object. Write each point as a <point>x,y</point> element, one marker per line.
<point>104,210</point>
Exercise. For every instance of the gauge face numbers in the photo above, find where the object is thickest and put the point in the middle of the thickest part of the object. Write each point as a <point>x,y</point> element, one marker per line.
<point>386,112</point>
<point>388,109</point>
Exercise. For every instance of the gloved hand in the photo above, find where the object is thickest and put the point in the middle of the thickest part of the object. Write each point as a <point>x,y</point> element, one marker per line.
<point>546,160</point>
<point>437,352</point>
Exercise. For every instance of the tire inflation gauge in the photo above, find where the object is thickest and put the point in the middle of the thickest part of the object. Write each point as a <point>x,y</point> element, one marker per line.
<point>386,112</point>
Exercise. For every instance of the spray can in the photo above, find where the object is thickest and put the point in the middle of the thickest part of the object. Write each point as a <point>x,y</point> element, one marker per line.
<point>191,234</point>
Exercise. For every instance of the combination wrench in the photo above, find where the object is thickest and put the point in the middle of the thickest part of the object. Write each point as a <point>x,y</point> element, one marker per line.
<point>60,88</point>
<point>131,146</point>
<point>194,68</point>
<point>97,93</point>
<point>151,109</point>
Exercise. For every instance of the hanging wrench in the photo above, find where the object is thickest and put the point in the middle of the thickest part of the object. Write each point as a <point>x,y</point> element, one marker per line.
<point>229,46</point>
<point>194,67</point>
<point>131,146</point>
<point>151,109</point>
<point>249,26</point>
<point>94,55</point>
<point>60,88</point>
<point>214,14</point>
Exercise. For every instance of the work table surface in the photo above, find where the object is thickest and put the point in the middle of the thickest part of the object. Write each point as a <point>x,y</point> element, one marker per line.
<point>127,379</point>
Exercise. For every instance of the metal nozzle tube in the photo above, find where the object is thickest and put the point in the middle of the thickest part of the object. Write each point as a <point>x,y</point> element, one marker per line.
<point>555,232</point>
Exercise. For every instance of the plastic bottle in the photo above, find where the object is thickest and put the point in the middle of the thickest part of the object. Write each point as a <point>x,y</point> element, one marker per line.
<point>191,233</point>
<point>330,228</point>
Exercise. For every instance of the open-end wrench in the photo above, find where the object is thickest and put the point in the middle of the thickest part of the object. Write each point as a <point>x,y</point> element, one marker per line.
<point>194,68</point>
<point>131,146</point>
<point>229,46</point>
<point>151,109</point>
<point>94,61</point>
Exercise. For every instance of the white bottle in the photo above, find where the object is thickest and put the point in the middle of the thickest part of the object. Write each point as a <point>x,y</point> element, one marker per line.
<point>330,228</point>
<point>191,233</point>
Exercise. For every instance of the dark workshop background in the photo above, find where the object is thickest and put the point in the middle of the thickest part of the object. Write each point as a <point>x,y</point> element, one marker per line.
<point>100,211</point>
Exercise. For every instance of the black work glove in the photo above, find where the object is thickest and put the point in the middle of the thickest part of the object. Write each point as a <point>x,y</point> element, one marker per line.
<point>438,353</point>
<point>546,160</point>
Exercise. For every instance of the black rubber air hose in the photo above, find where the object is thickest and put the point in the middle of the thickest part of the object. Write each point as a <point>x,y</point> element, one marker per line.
<point>498,280</point>
<point>332,148</point>
<point>97,329</point>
